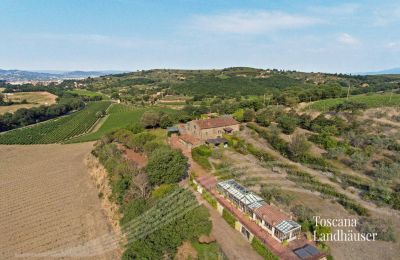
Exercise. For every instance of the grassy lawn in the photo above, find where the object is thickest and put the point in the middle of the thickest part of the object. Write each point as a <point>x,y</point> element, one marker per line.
<point>373,100</point>
<point>88,93</point>
<point>209,251</point>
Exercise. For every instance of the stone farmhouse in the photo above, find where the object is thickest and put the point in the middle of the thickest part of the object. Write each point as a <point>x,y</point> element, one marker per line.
<point>212,128</point>
<point>207,131</point>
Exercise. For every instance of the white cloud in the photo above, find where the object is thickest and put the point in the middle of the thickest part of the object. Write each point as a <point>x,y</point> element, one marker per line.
<point>347,39</point>
<point>393,45</point>
<point>251,22</point>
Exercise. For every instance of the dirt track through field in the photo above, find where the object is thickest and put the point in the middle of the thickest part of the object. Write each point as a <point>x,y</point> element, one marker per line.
<point>49,206</point>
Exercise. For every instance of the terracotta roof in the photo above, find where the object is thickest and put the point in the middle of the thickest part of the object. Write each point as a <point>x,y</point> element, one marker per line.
<point>271,214</point>
<point>216,122</point>
<point>190,139</point>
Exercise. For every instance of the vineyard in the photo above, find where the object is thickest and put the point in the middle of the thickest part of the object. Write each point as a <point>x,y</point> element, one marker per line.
<point>120,116</point>
<point>371,101</point>
<point>56,130</point>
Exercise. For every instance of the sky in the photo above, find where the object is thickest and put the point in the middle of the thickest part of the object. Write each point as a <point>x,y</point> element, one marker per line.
<point>312,35</point>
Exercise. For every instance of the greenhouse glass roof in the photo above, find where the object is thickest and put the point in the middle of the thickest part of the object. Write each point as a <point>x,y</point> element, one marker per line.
<point>287,225</point>
<point>242,194</point>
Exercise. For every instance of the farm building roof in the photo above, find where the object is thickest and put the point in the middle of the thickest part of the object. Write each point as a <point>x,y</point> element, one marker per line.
<point>271,214</point>
<point>215,122</point>
<point>189,139</point>
<point>242,194</point>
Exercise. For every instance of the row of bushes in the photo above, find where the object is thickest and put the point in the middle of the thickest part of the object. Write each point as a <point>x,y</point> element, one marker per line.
<point>260,248</point>
<point>209,198</point>
<point>310,182</point>
<point>369,192</point>
<point>291,151</point>
<point>245,148</point>
<point>229,218</point>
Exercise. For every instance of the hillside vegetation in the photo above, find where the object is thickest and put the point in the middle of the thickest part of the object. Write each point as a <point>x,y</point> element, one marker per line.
<point>371,101</point>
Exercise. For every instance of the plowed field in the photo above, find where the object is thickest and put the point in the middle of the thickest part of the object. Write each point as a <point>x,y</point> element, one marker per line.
<point>49,206</point>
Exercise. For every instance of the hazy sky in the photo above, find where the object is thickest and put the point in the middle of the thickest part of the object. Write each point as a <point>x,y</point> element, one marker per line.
<point>331,36</point>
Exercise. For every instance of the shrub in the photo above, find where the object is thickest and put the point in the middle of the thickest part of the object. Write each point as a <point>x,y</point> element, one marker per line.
<point>302,213</point>
<point>262,250</point>
<point>358,160</point>
<point>166,166</point>
<point>229,218</point>
<point>150,119</point>
<point>248,115</point>
<point>165,121</point>
<point>138,141</point>
<point>275,194</point>
<point>287,123</point>
<point>238,115</point>
<point>349,106</point>
<point>263,117</point>
<point>384,228</point>
<point>133,209</point>
<point>162,190</point>
<point>325,140</point>
<point>209,198</point>
<point>151,146</point>
<point>299,146</point>
<point>260,154</point>
<point>135,128</point>
<point>201,154</point>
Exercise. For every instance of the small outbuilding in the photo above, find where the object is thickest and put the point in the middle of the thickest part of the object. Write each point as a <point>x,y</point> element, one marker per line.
<point>217,141</point>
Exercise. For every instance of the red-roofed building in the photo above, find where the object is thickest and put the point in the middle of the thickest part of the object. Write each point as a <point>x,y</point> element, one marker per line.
<point>189,141</point>
<point>277,223</point>
<point>212,128</point>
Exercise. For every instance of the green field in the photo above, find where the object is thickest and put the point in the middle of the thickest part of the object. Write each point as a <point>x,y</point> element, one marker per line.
<point>88,93</point>
<point>56,130</point>
<point>373,100</point>
<point>120,116</point>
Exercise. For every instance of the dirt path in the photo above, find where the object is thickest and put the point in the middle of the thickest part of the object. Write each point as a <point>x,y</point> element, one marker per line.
<point>50,206</point>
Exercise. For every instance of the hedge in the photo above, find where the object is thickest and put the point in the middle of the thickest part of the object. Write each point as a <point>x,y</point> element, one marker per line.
<point>208,197</point>
<point>229,218</point>
<point>261,249</point>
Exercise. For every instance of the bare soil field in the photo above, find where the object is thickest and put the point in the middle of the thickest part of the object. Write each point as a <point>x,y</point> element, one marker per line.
<point>34,99</point>
<point>50,206</point>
